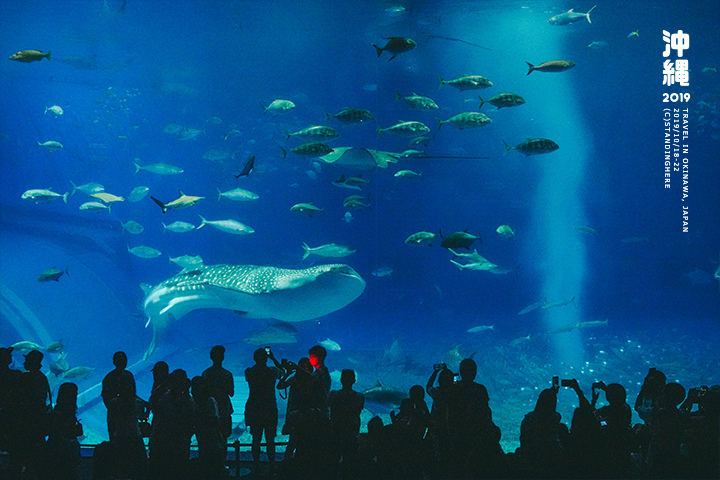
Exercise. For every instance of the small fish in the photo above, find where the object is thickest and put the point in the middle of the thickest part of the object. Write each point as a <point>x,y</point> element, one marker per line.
<point>407,174</point>
<point>481,328</point>
<point>505,231</point>
<point>551,66</point>
<point>247,167</point>
<point>709,70</point>
<point>279,106</point>
<point>43,196</point>
<point>27,56</point>
<point>52,274</point>
<point>467,120</point>
<point>518,341</point>
<point>459,240</point>
<point>50,145</point>
<point>597,45</point>
<point>570,17</point>
<point>421,238</point>
<point>306,209</point>
<point>190,134</point>
<point>227,226</point>
<point>347,217</point>
<point>87,188</point>
<point>635,33</point>
<point>179,227</point>
<point>314,133</point>
<point>238,195</point>
<point>330,345</point>
<point>133,227</point>
<point>138,193</point>
<point>159,168</point>
<point>183,201</point>
<point>55,110</point>
<point>561,303</point>
<point>356,202</point>
<point>309,149</point>
<point>26,346</point>
<point>352,115</point>
<point>188,262</point>
<point>586,229</point>
<point>354,183</point>
<point>383,271</point>
<point>107,197</point>
<point>503,100</point>
<point>77,372</point>
<point>418,102</point>
<point>467,82</point>
<point>332,250</point>
<point>593,324</point>
<point>533,146</point>
<point>94,207</point>
<point>533,306</point>
<point>396,46</point>
<point>55,347</point>
<point>143,251</point>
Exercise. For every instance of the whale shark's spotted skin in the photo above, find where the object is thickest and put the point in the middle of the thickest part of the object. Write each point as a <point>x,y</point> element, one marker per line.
<point>255,292</point>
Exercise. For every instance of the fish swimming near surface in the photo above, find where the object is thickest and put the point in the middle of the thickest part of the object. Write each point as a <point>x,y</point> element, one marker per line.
<point>179,227</point>
<point>314,133</point>
<point>505,231</point>
<point>143,251</point>
<point>138,193</point>
<point>279,106</point>
<point>50,145</point>
<point>418,101</point>
<point>551,66</point>
<point>481,328</point>
<point>533,306</point>
<point>188,262</point>
<point>309,149</point>
<point>27,56</point>
<point>227,226</point>
<point>421,238</point>
<point>52,274</point>
<point>459,240</point>
<point>306,209</point>
<point>569,17</point>
<point>55,347</point>
<point>55,110</point>
<point>352,115</point>
<point>396,46</point>
<point>253,292</point>
<point>467,120</point>
<point>25,346</point>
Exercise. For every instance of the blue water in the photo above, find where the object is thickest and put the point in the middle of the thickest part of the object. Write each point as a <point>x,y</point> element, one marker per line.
<point>122,76</point>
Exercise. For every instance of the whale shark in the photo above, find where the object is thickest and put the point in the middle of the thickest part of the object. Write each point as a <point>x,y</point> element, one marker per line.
<point>253,292</point>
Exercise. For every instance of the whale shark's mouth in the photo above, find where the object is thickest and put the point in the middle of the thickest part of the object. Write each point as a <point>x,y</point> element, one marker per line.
<point>255,292</point>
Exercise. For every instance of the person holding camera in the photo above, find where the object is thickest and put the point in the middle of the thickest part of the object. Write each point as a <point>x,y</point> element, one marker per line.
<point>615,427</point>
<point>261,413</point>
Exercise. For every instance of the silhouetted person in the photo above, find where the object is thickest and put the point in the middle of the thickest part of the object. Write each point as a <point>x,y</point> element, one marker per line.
<point>346,405</point>
<point>62,453</point>
<point>305,393</point>
<point>10,396</point>
<point>584,446</point>
<point>126,454</point>
<point>648,400</point>
<point>438,434</point>
<point>161,379</point>
<point>542,436</point>
<point>702,436</point>
<point>212,445</point>
<point>261,414</point>
<point>668,425</point>
<point>221,386</point>
<point>35,404</point>
<point>616,430</point>
<point>409,427</point>
<point>174,421</point>
<point>372,456</point>
<point>470,419</point>
<point>111,382</point>
<point>317,355</point>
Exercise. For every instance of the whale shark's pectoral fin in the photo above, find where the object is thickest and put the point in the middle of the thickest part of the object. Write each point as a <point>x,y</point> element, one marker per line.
<point>153,342</point>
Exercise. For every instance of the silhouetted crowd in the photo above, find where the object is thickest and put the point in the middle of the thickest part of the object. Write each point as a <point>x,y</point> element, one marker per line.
<point>455,439</point>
